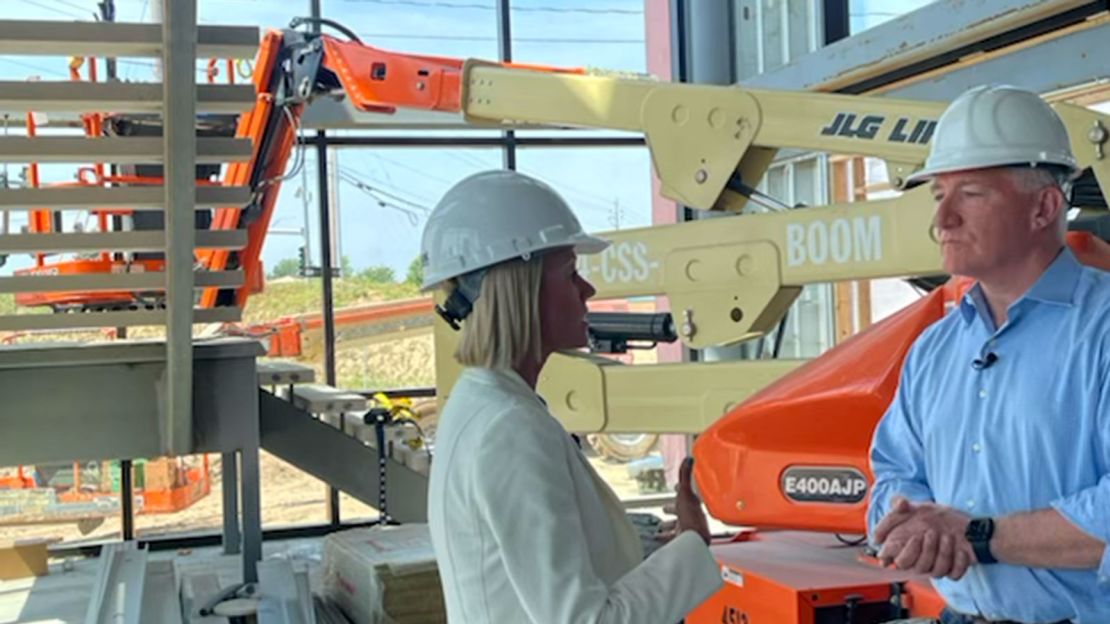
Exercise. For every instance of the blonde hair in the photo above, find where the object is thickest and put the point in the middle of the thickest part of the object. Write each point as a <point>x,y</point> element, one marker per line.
<point>503,329</point>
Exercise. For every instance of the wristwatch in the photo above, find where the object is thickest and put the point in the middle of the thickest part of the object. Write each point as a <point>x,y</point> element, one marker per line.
<point>979,532</point>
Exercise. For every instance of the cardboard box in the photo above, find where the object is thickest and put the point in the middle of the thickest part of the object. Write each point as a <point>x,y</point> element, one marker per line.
<point>22,559</point>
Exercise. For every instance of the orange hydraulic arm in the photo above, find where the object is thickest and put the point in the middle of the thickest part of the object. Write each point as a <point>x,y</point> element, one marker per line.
<point>291,68</point>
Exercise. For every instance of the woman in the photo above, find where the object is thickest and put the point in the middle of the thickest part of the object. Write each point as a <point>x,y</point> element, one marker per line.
<point>524,530</point>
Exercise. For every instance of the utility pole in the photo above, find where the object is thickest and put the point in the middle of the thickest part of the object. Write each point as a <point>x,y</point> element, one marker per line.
<point>616,214</point>
<point>108,14</point>
<point>334,218</point>
<point>305,198</point>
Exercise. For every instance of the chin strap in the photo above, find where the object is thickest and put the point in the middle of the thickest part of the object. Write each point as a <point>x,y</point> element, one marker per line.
<point>460,302</point>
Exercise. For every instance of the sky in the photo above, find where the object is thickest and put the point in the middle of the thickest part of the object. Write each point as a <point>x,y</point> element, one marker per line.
<point>607,187</point>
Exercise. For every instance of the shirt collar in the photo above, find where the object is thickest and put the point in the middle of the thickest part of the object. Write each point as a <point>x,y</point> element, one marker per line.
<point>1055,286</point>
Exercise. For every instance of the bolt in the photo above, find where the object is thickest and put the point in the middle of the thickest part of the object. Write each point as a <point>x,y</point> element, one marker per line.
<point>1097,135</point>
<point>736,314</point>
<point>688,327</point>
<point>305,88</point>
<point>419,85</point>
<point>701,176</point>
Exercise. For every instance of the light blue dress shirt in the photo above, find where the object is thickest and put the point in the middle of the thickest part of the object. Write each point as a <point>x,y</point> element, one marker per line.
<point>1030,431</point>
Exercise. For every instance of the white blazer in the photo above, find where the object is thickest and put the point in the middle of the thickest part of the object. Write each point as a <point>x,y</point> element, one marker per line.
<point>525,531</point>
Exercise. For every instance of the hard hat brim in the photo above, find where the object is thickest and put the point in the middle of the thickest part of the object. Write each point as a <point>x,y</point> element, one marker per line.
<point>583,245</point>
<point>928,173</point>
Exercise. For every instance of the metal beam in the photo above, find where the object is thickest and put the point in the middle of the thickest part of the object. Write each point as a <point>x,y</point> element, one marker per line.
<point>119,150</point>
<point>147,198</point>
<point>105,39</point>
<point>478,141</point>
<point>160,600</point>
<point>328,454</point>
<point>1074,58</point>
<point>179,105</point>
<point>118,97</point>
<point>505,55</point>
<point>147,240</point>
<point>79,320</point>
<point>117,595</point>
<point>923,40</point>
<point>112,281</point>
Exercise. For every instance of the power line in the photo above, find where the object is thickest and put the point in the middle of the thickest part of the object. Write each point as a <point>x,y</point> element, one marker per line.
<point>149,64</point>
<point>515,39</point>
<point>34,67</point>
<point>366,176</point>
<point>417,171</point>
<point>490,7</point>
<point>54,9</point>
<point>413,217</point>
<point>355,179</point>
<point>76,6</point>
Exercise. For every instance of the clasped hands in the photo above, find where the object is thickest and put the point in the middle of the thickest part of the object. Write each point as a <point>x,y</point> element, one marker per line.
<point>926,538</point>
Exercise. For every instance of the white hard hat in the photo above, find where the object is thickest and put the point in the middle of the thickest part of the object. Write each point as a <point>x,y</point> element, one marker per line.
<point>997,126</point>
<point>494,216</point>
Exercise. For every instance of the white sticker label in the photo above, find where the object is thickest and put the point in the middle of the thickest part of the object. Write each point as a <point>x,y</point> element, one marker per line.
<point>732,576</point>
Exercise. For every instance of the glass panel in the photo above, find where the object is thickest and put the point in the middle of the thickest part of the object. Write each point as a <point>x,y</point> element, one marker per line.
<point>776,180</point>
<point>175,495</point>
<point>75,502</point>
<point>801,25</point>
<point>384,197</point>
<point>609,37</point>
<point>606,39</point>
<point>771,34</point>
<point>808,329</point>
<point>747,44</point>
<point>807,182</point>
<point>609,189</point>
<point>864,14</point>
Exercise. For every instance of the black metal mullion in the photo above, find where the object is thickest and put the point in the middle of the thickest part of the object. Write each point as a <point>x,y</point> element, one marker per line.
<point>326,262</point>
<point>505,54</point>
<point>524,142</point>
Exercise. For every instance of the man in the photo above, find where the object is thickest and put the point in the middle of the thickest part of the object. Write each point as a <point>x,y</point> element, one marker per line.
<point>992,464</point>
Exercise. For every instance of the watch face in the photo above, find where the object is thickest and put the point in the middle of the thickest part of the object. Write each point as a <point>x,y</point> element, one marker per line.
<point>979,529</point>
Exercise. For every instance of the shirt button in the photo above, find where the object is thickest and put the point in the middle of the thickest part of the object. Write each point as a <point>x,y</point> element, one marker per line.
<point>971,503</point>
<point>976,447</point>
<point>982,393</point>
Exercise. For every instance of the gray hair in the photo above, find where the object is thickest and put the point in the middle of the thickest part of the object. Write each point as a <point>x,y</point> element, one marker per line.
<point>503,329</point>
<point>1035,178</point>
<point>1029,179</point>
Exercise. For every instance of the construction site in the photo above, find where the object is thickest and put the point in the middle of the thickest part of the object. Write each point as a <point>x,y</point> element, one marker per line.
<point>223,371</point>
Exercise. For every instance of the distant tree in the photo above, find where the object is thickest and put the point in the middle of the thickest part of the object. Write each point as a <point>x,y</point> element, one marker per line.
<point>346,268</point>
<point>288,267</point>
<point>378,274</point>
<point>415,275</point>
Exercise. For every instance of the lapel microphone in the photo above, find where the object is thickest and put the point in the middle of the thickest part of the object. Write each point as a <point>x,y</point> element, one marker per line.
<point>985,361</point>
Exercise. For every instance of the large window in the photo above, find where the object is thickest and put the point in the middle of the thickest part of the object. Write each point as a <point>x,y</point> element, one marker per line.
<point>772,33</point>
<point>865,14</point>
